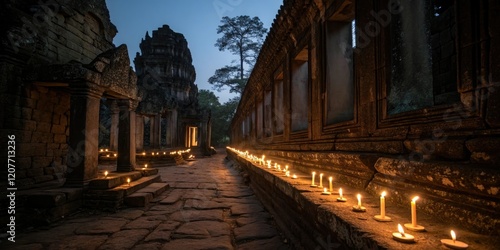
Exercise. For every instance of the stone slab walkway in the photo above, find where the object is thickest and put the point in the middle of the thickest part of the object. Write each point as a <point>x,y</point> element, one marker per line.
<point>207,207</point>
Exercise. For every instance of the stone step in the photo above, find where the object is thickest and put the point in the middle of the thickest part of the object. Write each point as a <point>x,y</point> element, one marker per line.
<point>115,179</point>
<point>143,196</point>
<point>113,198</point>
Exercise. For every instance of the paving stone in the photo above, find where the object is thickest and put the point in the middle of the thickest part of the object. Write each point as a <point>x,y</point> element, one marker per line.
<point>249,220</point>
<point>148,246</point>
<point>197,215</point>
<point>207,186</point>
<point>239,209</point>
<point>199,194</point>
<point>101,227</point>
<point>235,193</point>
<point>200,204</point>
<point>254,231</point>
<point>163,231</point>
<point>168,209</point>
<point>125,239</point>
<point>173,196</point>
<point>149,222</point>
<point>274,243</point>
<point>78,242</point>
<point>188,185</point>
<point>219,243</point>
<point>129,214</point>
<point>244,200</point>
<point>202,229</point>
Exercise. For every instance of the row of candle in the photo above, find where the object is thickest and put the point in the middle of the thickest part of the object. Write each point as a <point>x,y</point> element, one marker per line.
<point>400,236</point>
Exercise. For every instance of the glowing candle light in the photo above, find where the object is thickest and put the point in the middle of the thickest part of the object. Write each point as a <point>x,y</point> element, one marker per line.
<point>312,183</point>
<point>145,165</point>
<point>321,180</point>
<point>114,155</point>
<point>325,191</point>
<point>286,168</point>
<point>401,236</point>
<point>454,243</point>
<point>143,153</point>
<point>106,150</point>
<point>330,179</point>
<point>414,226</point>
<point>128,181</point>
<point>106,174</point>
<point>101,150</point>
<point>359,208</point>
<point>287,173</point>
<point>382,216</point>
<point>268,164</point>
<point>341,198</point>
<point>294,176</point>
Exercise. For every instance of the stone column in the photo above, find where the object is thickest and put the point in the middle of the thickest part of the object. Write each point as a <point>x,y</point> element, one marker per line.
<point>113,133</point>
<point>83,134</point>
<point>139,132</point>
<point>126,136</point>
<point>173,128</point>
<point>168,132</point>
<point>156,131</point>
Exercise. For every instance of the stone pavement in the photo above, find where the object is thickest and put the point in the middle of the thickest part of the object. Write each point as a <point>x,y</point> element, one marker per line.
<point>208,206</point>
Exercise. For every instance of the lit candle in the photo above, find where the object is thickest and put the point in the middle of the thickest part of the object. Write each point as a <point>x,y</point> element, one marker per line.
<point>145,165</point>
<point>401,236</point>
<point>101,150</point>
<point>268,164</point>
<point>454,243</point>
<point>382,216</point>
<point>341,198</point>
<point>359,208</point>
<point>128,181</point>
<point>294,176</point>
<point>106,150</point>
<point>114,155</point>
<point>325,191</point>
<point>106,174</point>
<point>321,180</point>
<point>286,168</point>
<point>287,173</point>
<point>312,183</point>
<point>331,184</point>
<point>414,226</point>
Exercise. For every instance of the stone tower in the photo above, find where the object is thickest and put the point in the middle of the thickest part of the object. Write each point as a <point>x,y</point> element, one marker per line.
<point>166,78</point>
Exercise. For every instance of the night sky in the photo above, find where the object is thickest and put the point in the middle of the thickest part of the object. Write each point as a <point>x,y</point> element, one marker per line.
<point>196,19</point>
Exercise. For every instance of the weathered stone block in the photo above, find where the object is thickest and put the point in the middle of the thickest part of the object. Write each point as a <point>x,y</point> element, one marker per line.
<point>31,149</point>
<point>41,162</point>
<point>43,178</point>
<point>447,149</point>
<point>58,129</point>
<point>41,137</point>
<point>138,199</point>
<point>43,127</point>
<point>60,139</point>
<point>32,172</point>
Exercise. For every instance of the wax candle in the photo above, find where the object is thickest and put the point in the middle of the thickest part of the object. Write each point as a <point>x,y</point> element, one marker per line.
<point>145,165</point>
<point>106,174</point>
<point>312,183</point>
<point>128,181</point>
<point>454,243</point>
<point>414,226</point>
<point>331,183</point>
<point>359,200</point>
<point>321,180</point>
<point>294,176</point>
<point>382,216</point>
<point>325,191</point>
<point>401,236</point>
<point>359,208</point>
<point>341,199</point>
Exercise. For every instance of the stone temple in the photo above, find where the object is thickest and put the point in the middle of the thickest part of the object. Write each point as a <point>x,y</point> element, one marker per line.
<point>353,99</point>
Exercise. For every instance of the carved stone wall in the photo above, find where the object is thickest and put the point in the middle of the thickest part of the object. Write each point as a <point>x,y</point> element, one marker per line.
<point>38,37</point>
<point>441,150</point>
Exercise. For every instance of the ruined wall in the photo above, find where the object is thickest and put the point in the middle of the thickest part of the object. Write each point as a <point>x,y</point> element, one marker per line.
<point>34,34</point>
<point>441,148</point>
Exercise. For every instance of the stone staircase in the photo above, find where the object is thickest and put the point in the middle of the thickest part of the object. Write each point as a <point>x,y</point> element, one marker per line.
<point>113,191</point>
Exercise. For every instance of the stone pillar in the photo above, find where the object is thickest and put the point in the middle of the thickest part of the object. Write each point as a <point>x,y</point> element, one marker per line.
<point>168,132</point>
<point>113,133</point>
<point>173,128</point>
<point>156,131</point>
<point>139,132</point>
<point>83,134</point>
<point>126,136</point>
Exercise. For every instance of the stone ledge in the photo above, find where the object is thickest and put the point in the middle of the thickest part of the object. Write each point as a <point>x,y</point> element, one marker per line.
<point>316,219</point>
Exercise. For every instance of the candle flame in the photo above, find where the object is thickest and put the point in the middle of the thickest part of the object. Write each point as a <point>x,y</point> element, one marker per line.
<point>314,173</point>
<point>321,175</point>
<point>128,181</point>
<point>324,190</point>
<point>415,198</point>
<point>401,230</point>
<point>331,178</point>
<point>295,176</point>
<point>145,165</point>
<point>453,235</point>
<point>105,173</point>
<point>383,194</point>
<point>359,199</point>
<point>340,192</point>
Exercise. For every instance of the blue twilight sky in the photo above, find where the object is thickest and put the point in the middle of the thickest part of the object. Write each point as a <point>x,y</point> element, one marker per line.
<point>196,19</point>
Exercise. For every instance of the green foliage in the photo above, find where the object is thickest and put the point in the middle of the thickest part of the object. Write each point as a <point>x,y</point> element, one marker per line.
<point>222,114</point>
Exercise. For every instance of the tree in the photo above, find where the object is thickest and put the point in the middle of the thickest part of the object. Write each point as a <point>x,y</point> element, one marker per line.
<point>242,36</point>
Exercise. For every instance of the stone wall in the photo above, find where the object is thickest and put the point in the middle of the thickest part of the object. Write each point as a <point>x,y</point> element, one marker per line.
<point>36,34</point>
<point>441,148</point>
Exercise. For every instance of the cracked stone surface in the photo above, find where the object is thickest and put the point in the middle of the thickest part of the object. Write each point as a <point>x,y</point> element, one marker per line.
<point>207,207</point>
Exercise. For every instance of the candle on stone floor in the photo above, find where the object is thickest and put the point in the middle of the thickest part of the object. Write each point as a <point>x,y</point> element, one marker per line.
<point>101,150</point>
<point>331,184</point>
<point>106,174</point>
<point>382,216</point>
<point>287,173</point>
<point>268,164</point>
<point>312,183</point>
<point>145,165</point>
<point>401,236</point>
<point>128,181</point>
<point>341,198</point>
<point>286,167</point>
<point>106,150</point>
<point>321,180</point>
<point>359,208</point>
<point>114,155</point>
<point>325,191</point>
<point>294,176</point>
<point>413,225</point>
<point>454,243</point>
